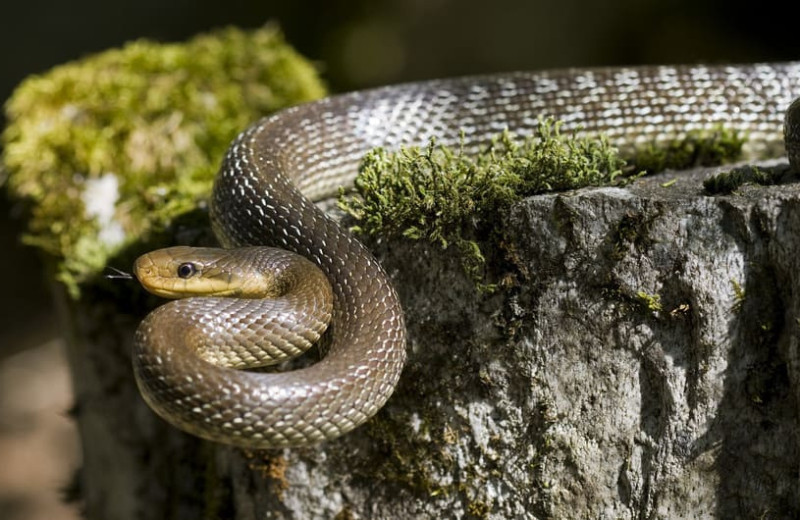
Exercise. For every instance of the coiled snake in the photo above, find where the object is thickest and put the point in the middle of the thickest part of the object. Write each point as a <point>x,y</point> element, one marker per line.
<point>187,351</point>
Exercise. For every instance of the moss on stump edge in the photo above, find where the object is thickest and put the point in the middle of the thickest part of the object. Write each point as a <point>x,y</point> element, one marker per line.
<point>445,196</point>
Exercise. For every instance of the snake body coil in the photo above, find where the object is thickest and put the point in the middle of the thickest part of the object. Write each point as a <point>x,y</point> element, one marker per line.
<point>272,172</point>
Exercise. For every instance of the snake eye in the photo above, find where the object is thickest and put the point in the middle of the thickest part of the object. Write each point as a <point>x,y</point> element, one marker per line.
<point>186,270</point>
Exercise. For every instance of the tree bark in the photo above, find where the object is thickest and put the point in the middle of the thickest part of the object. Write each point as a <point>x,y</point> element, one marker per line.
<point>640,361</point>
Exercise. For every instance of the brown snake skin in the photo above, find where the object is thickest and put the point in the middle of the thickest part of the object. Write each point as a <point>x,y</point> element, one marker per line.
<point>272,172</point>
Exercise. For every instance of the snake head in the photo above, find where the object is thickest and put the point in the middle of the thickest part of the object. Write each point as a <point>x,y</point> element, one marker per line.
<point>181,272</point>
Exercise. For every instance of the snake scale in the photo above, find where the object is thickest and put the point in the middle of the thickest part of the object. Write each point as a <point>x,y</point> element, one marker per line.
<point>274,170</point>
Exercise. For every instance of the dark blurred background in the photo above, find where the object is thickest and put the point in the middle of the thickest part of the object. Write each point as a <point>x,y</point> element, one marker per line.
<point>356,44</point>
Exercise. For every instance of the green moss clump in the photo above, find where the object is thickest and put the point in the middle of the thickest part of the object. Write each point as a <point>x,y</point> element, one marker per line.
<point>697,148</point>
<point>113,146</point>
<point>727,182</point>
<point>408,458</point>
<point>479,509</point>
<point>738,296</point>
<point>651,302</point>
<point>443,195</point>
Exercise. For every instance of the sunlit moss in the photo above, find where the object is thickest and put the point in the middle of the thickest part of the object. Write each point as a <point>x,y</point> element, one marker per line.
<point>651,302</point>
<point>443,195</point>
<point>110,147</point>
<point>738,296</point>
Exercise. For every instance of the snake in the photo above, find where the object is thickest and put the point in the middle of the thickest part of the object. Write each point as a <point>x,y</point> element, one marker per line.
<point>194,357</point>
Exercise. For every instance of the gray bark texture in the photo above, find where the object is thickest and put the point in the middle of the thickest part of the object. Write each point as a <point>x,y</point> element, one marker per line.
<point>640,362</point>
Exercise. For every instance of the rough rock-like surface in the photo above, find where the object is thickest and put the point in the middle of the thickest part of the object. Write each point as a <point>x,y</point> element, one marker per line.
<point>641,362</point>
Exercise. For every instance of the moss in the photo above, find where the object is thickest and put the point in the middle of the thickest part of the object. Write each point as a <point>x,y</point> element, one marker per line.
<point>697,148</point>
<point>478,509</point>
<point>110,147</point>
<point>651,302</point>
<point>738,296</point>
<point>442,195</point>
<point>421,460</point>
<point>408,458</point>
<point>632,230</point>
<point>729,181</point>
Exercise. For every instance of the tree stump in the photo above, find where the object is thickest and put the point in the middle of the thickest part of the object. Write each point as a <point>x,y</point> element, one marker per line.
<point>640,361</point>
